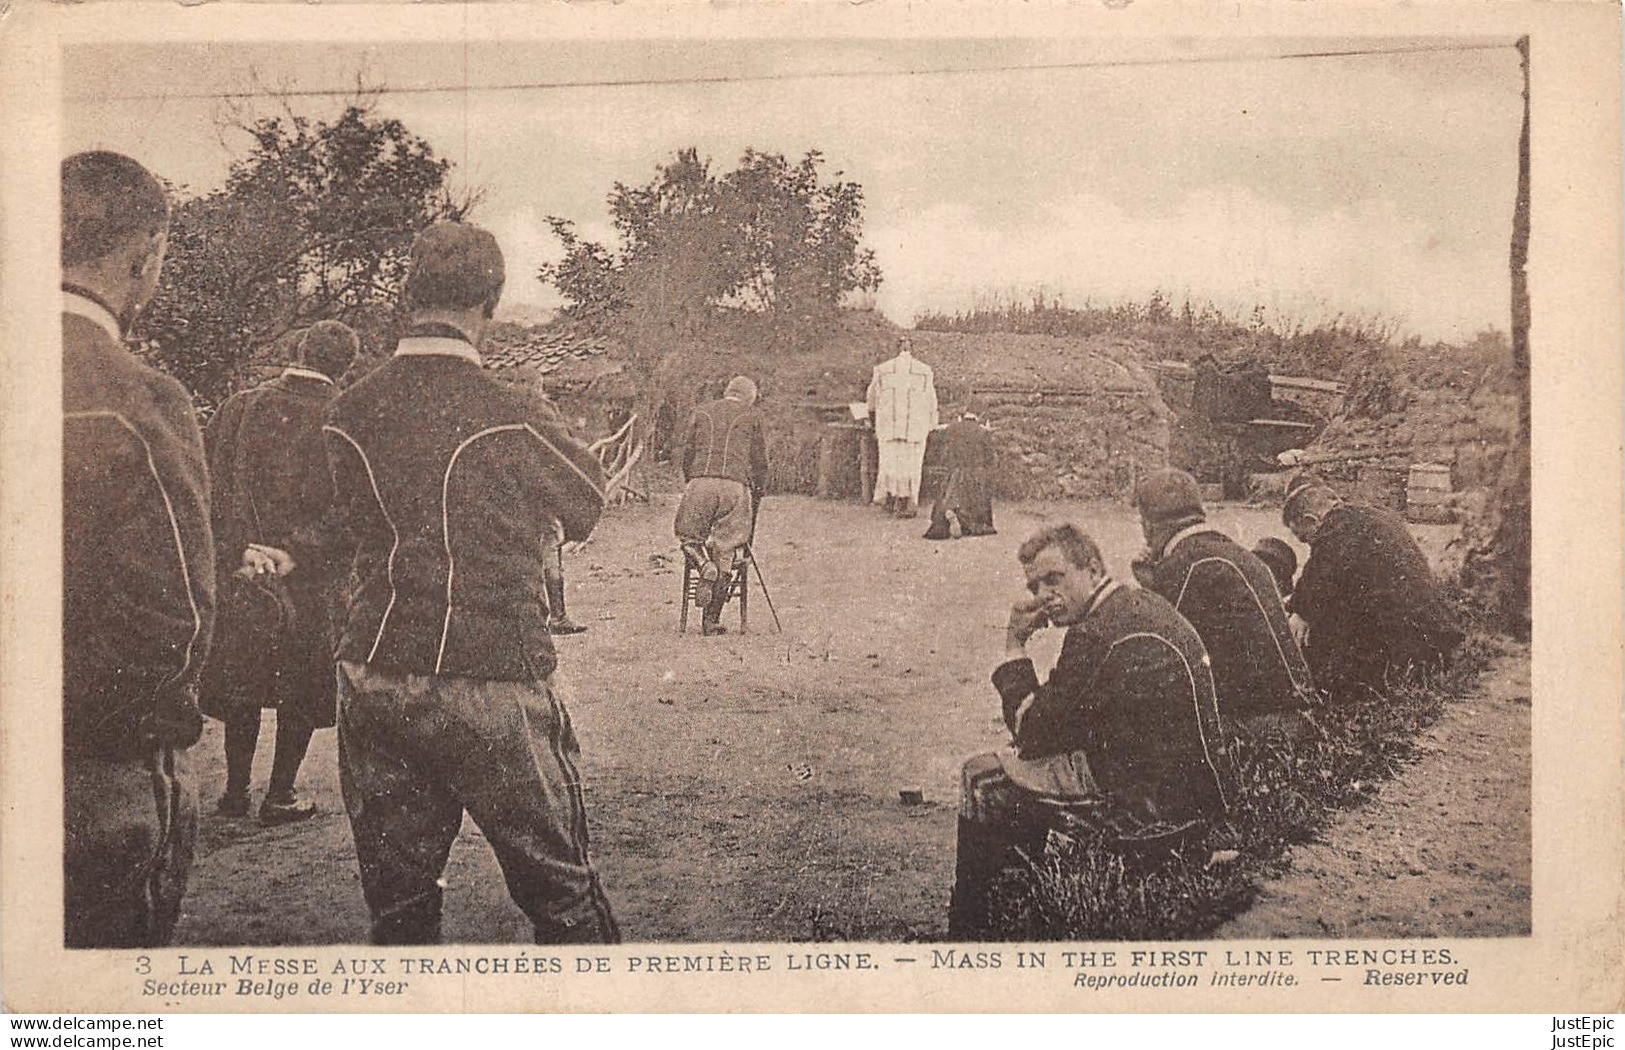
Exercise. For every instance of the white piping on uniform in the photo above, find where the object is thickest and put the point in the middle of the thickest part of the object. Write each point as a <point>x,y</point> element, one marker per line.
<point>596,488</point>
<point>1108,588</point>
<point>1186,533</point>
<point>1021,711</point>
<point>1196,703</point>
<point>445,528</point>
<point>1279,650</point>
<point>175,531</point>
<point>445,511</point>
<point>710,438</point>
<point>394,532</point>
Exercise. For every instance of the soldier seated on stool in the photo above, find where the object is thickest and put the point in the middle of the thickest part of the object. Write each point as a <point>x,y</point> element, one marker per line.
<point>1126,731</point>
<point>725,467</point>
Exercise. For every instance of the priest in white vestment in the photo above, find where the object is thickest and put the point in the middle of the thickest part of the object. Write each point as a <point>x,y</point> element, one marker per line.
<point>903,404</point>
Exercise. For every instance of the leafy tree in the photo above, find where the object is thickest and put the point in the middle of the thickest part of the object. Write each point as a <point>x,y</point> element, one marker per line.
<point>315,222</point>
<point>769,236</point>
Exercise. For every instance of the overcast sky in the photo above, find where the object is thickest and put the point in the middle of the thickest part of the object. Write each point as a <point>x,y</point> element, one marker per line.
<point>1376,186</point>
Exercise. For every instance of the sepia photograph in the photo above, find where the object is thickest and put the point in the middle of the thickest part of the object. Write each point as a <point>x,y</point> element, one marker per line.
<point>883,498</point>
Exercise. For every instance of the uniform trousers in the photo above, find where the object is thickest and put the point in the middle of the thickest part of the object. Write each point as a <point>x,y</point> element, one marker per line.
<point>130,828</point>
<point>417,751</point>
<point>1006,809</point>
<point>716,513</point>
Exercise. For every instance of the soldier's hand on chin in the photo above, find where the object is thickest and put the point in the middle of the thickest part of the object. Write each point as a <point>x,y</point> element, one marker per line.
<point>1026,617</point>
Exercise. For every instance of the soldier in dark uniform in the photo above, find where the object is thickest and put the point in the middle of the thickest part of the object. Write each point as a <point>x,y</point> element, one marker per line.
<point>1125,734</point>
<point>1371,602</point>
<point>725,467</point>
<point>1281,560</point>
<point>446,489</point>
<point>268,463</point>
<point>966,496</point>
<point>137,573</point>
<point>1230,597</point>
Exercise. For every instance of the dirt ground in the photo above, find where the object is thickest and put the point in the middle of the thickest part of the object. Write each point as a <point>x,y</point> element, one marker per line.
<point>1444,850</point>
<point>747,787</point>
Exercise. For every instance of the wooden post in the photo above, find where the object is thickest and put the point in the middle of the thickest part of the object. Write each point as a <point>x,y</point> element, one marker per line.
<point>1498,566</point>
<point>866,471</point>
<point>1513,537</point>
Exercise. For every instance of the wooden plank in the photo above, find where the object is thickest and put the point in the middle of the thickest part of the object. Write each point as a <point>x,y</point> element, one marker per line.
<point>1321,386</point>
<point>1181,370</point>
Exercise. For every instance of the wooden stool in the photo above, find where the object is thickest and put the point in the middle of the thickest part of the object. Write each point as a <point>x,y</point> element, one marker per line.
<point>738,584</point>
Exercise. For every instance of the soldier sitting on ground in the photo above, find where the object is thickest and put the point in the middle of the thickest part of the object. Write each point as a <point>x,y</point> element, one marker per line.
<point>1373,607</point>
<point>1125,736</point>
<point>1229,596</point>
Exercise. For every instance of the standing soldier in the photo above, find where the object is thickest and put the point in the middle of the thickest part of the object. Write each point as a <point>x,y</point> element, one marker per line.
<point>271,482</point>
<point>137,573</point>
<point>725,466</point>
<point>903,404</point>
<point>446,487</point>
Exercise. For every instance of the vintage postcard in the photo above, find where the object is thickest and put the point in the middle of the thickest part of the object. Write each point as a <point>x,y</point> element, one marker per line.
<point>1075,507</point>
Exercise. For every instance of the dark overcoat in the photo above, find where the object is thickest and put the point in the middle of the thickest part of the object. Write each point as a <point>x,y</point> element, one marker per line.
<point>1131,690</point>
<point>268,463</point>
<point>1228,594</point>
<point>1373,605</point>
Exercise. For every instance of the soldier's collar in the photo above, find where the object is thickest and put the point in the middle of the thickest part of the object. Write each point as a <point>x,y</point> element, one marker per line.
<point>81,302</point>
<point>437,346</point>
<point>295,371</point>
<point>1184,534</point>
<point>1106,589</point>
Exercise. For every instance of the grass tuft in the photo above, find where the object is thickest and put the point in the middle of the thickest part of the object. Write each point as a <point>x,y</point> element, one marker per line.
<point>1286,794</point>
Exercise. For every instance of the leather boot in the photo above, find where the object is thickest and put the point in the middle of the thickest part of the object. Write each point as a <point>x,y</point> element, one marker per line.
<point>558,621</point>
<point>983,854</point>
<point>413,922</point>
<point>978,856</point>
<point>706,586</point>
<point>711,618</point>
<point>905,507</point>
